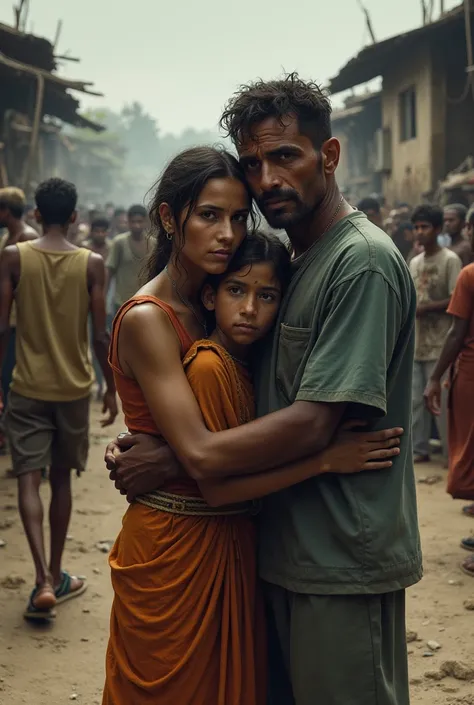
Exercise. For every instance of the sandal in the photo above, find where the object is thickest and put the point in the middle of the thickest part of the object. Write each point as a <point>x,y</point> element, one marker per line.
<point>44,612</point>
<point>468,510</point>
<point>64,592</point>
<point>468,543</point>
<point>467,566</point>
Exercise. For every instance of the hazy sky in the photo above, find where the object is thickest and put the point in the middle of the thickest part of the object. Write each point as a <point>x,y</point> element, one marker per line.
<point>183,58</point>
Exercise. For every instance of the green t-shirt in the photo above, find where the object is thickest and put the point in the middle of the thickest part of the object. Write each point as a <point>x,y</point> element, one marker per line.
<point>125,262</point>
<point>345,333</point>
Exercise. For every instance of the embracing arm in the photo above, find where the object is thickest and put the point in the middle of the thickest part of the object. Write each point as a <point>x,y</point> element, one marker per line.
<point>149,348</point>
<point>349,453</point>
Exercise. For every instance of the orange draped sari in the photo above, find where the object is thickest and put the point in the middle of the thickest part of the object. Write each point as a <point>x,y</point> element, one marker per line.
<point>187,623</point>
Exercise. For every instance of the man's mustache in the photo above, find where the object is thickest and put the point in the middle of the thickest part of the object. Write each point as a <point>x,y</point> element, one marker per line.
<point>280,195</point>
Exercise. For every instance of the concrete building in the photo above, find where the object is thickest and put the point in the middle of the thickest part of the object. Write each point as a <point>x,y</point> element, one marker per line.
<point>427,104</point>
<point>357,126</point>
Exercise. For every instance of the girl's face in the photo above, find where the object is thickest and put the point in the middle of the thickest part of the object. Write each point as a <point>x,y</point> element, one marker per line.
<point>245,305</point>
<point>215,228</point>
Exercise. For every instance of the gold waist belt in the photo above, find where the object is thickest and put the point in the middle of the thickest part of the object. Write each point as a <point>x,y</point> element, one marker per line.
<point>193,506</point>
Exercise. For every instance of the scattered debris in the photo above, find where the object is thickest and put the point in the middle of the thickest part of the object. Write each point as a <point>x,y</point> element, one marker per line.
<point>96,571</point>
<point>12,582</point>
<point>434,675</point>
<point>84,638</point>
<point>73,696</point>
<point>430,480</point>
<point>104,546</point>
<point>2,543</point>
<point>425,624</point>
<point>455,582</point>
<point>411,636</point>
<point>69,537</point>
<point>458,670</point>
<point>86,610</point>
<point>433,645</point>
<point>6,524</point>
<point>427,654</point>
<point>453,669</point>
<point>469,605</point>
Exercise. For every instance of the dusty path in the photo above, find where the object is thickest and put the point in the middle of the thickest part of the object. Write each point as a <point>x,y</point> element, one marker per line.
<point>48,666</point>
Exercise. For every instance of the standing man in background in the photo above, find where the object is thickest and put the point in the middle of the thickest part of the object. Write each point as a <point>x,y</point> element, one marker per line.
<point>371,208</point>
<point>435,272</point>
<point>12,211</point>
<point>454,222</point>
<point>97,242</point>
<point>126,257</point>
<point>54,284</point>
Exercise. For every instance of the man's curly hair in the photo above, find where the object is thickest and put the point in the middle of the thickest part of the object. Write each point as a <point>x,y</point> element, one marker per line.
<point>290,95</point>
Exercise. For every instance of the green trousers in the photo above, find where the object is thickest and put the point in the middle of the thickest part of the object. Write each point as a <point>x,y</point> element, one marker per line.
<point>336,649</point>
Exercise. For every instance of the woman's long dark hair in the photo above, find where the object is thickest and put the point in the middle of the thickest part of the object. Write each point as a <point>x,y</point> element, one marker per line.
<point>179,186</point>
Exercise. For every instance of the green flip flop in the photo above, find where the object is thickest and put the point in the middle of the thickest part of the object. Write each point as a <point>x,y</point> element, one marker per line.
<point>34,613</point>
<point>63,592</point>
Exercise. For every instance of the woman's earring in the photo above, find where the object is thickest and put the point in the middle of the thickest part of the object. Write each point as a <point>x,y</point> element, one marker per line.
<point>169,235</point>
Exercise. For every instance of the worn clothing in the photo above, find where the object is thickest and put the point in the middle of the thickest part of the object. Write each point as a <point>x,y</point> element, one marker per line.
<point>422,419</point>
<point>125,264</point>
<point>461,407</point>
<point>47,433</point>
<point>345,334</point>
<point>337,649</point>
<point>435,278</point>
<point>52,344</point>
<point>187,622</point>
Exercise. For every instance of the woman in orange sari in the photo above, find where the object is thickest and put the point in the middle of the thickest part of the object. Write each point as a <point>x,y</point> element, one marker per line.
<point>458,354</point>
<point>187,620</point>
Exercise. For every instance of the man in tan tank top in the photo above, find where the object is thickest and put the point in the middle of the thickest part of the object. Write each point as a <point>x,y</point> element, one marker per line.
<point>12,209</point>
<point>54,284</point>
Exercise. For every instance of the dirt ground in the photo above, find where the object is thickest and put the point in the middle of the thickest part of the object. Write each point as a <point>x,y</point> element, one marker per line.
<point>64,661</point>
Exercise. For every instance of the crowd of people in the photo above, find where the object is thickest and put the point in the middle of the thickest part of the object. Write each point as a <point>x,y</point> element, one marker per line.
<point>438,246</point>
<point>299,384</point>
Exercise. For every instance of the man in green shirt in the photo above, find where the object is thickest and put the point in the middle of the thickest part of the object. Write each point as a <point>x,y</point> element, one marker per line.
<point>336,552</point>
<point>126,257</point>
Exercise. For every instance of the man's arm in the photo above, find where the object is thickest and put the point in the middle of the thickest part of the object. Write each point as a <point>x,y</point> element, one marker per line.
<point>9,276</point>
<point>100,336</point>
<point>111,265</point>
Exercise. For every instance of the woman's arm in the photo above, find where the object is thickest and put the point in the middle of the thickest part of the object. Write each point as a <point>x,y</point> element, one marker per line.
<point>149,351</point>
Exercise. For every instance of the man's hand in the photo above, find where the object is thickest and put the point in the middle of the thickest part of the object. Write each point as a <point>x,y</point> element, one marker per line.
<point>109,406</point>
<point>432,397</point>
<point>140,463</point>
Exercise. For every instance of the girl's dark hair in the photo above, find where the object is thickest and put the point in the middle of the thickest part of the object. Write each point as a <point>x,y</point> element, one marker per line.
<point>257,248</point>
<point>179,186</point>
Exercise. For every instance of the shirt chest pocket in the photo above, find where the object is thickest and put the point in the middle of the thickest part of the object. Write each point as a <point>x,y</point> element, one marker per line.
<point>293,349</point>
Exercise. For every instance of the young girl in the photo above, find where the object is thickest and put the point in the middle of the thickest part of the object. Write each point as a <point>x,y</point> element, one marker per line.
<point>187,621</point>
